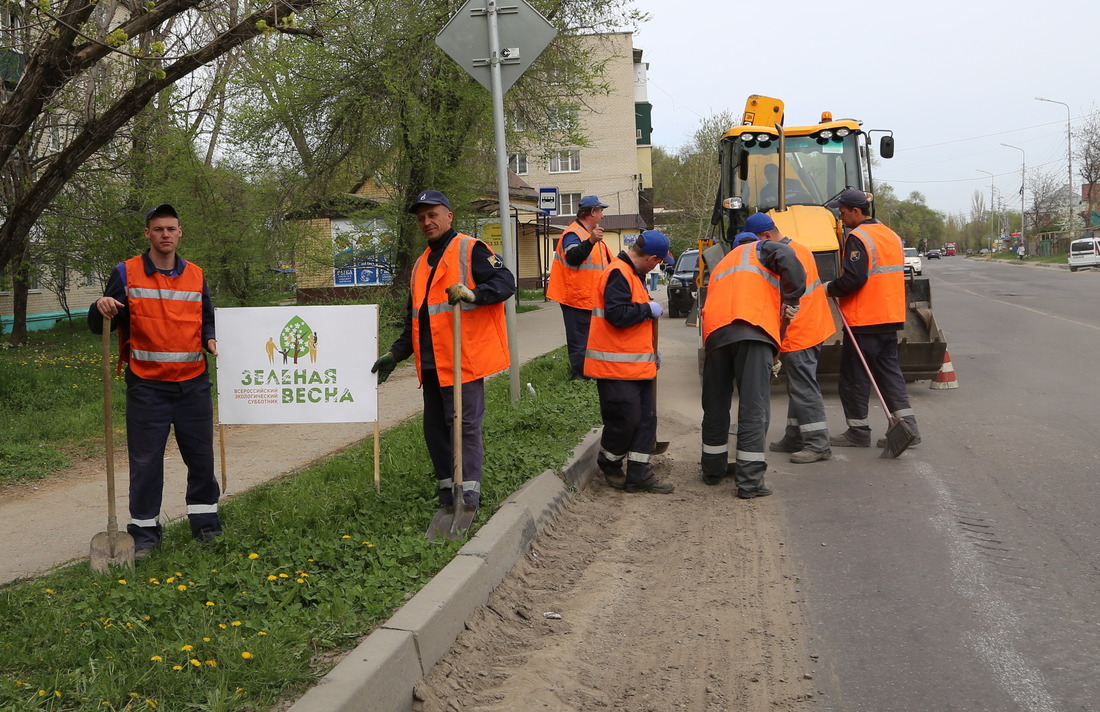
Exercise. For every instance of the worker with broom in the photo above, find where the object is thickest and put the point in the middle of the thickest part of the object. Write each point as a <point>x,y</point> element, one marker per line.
<point>454,269</point>
<point>871,293</point>
<point>162,307</point>
<point>752,292</point>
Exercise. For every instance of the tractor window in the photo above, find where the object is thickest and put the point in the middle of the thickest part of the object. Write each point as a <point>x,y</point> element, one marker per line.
<point>816,170</point>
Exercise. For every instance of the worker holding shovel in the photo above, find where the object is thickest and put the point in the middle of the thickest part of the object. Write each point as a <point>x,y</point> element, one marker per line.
<point>622,358</point>
<point>454,270</point>
<point>161,305</point>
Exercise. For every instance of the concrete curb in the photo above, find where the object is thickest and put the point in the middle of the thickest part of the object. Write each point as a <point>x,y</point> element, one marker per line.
<point>380,673</point>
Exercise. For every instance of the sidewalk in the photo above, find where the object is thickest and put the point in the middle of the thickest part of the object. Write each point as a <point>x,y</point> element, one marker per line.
<point>53,523</point>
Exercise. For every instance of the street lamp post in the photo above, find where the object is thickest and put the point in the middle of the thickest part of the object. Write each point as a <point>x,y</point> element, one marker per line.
<point>1023,184</point>
<point>1069,155</point>
<point>992,212</point>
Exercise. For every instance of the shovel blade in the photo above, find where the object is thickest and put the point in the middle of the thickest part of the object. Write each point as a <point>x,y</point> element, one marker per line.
<point>660,447</point>
<point>111,549</point>
<point>464,518</point>
<point>442,523</point>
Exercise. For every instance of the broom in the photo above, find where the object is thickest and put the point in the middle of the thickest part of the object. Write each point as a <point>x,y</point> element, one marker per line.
<point>899,436</point>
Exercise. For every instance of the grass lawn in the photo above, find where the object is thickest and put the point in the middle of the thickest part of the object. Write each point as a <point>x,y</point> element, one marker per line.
<point>308,564</point>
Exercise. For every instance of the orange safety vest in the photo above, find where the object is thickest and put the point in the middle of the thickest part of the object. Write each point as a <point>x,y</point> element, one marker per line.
<point>576,286</point>
<point>882,299</point>
<point>814,322</point>
<point>741,287</point>
<point>165,342</point>
<point>484,334</point>
<point>621,354</point>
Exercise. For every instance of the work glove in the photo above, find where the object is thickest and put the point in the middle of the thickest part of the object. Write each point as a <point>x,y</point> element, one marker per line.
<point>459,293</point>
<point>656,310</point>
<point>790,310</point>
<point>384,367</point>
<point>658,360</point>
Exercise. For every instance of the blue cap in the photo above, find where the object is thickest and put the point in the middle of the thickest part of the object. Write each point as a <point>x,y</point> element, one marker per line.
<point>430,197</point>
<point>758,223</point>
<point>591,201</point>
<point>743,238</point>
<point>851,198</point>
<point>164,210</point>
<point>655,243</point>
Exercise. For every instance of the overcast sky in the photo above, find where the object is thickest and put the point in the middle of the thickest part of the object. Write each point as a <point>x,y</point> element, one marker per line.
<point>953,80</point>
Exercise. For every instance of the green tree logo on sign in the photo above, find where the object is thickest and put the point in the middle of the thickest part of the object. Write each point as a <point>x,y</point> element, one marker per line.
<point>297,340</point>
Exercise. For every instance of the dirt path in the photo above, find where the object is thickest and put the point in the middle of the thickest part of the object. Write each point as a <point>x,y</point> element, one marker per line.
<point>682,601</point>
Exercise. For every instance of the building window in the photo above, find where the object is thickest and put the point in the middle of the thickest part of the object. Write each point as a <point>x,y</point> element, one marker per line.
<point>517,121</point>
<point>517,163</point>
<point>568,203</point>
<point>565,161</point>
<point>562,118</point>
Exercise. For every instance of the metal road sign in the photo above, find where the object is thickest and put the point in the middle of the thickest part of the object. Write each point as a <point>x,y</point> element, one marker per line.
<point>548,200</point>
<point>524,34</point>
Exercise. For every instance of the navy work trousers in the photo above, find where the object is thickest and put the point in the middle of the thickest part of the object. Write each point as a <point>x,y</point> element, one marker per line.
<point>577,322</point>
<point>439,408</point>
<point>881,352</point>
<point>629,412</point>
<point>150,413</point>
<point>748,364</point>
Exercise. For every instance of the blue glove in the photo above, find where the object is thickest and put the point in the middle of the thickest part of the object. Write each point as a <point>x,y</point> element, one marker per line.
<point>656,310</point>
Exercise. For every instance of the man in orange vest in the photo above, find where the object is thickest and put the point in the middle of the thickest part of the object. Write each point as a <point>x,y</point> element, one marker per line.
<point>751,291</point>
<point>162,308</point>
<point>871,289</point>
<point>806,436</point>
<point>579,259</point>
<point>622,357</point>
<point>454,268</point>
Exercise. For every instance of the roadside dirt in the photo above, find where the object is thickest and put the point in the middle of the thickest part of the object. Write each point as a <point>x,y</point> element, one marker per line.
<point>683,601</point>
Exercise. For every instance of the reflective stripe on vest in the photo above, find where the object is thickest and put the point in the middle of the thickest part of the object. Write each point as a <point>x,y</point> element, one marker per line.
<point>814,322</point>
<point>484,334</point>
<point>165,323</point>
<point>882,299</point>
<point>575,286</point>
<point>620,354</point>
<point>741,287</point>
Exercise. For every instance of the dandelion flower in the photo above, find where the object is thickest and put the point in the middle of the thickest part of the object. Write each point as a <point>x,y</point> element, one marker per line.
<point>49,590</point>
<point>156,658</point>
<point>154,581</point>
<point>346,536</point>
<point>122,581</point>
<point>246,655</point>
<point>152,703</point>
<point>235,623</point>
<point>272,577</point>
<point>212,663</point>
<point>284,576</point>
<point>205,640</point>
<point>262,632</point>
<point>210,603</point>
<point>181,587</point>
<point>177,667</point>
<point>170,579</point>
<point>300,580</point>
<point>188,647</point>
<point>195,663</point>
<point>57,693</point>
<point>222,626</point>
<point>253,555</point>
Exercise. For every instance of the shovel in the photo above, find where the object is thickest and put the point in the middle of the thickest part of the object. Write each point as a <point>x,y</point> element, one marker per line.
<point>659,446</point>
<point>111,547</point>
<point>454,521</point>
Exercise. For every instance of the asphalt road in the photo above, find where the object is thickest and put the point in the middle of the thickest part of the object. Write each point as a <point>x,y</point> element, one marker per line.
<point>965,575</point>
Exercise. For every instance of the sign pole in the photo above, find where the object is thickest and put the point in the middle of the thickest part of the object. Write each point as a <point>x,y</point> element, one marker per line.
<point>504,209</point>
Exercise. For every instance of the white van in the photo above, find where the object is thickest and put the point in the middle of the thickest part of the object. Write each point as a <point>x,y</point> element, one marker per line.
<point>1084,252</point>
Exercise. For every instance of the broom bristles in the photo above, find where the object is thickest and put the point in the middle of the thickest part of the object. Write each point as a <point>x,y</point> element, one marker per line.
<point>898,438</point>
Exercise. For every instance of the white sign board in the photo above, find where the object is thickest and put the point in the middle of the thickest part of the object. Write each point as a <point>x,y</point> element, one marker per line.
<point>297,364</point>
<point>548,200</point>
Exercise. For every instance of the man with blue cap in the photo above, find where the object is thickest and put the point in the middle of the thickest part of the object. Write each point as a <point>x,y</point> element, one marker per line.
<point>751,291</point>
<point>454,269</point>
<point>623,358</point>
<point>580,257</point>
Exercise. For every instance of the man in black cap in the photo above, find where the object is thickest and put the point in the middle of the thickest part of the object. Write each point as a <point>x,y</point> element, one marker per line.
<point>455,268</point>
<point>871,293</point>
<point>161,305</point>
<point>579,259</point>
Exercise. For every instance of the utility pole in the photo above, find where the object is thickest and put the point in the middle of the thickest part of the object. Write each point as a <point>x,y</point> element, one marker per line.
<point>1069,157</point>
<point>1023,185</point>
<point>992,211</point>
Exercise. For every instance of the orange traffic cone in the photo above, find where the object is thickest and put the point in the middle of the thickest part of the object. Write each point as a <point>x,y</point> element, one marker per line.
<point>946,376</point>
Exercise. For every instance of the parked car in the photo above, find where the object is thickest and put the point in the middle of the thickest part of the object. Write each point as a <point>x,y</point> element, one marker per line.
<point>912,261</point>
<point>1083,253</point>
<point>933,254</point>
<point>681,283</point>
